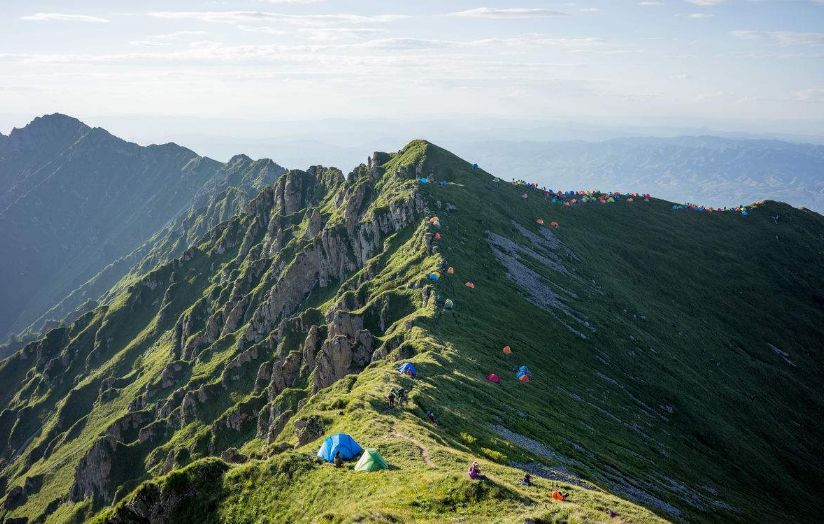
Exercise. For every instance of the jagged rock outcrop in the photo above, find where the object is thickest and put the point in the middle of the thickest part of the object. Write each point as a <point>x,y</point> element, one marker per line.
<point>347,349</point>
<point>93,476</point>
<point>308,429</point>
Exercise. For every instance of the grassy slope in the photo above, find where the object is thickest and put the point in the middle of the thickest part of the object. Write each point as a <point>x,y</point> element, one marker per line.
<point>677,382</point>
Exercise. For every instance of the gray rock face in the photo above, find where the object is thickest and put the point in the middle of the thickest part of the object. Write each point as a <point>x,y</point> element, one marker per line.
<point>308,429</point>
<point>93,476</point>
<point>347,349</point>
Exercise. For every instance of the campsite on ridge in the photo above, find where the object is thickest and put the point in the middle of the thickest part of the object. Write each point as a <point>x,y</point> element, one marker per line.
<point>621,352</point>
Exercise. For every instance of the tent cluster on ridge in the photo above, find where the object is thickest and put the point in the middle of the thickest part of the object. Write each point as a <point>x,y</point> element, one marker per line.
<point>345,446</point>
<point>742,210</point>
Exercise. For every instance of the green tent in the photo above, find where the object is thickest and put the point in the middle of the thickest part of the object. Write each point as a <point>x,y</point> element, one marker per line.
<point>371,460</point>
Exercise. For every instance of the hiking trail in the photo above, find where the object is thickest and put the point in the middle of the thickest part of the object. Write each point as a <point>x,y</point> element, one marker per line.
<point>424,451</point>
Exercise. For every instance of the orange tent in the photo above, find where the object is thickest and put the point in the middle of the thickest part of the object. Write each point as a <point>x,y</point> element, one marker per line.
<point>450,270</point>
<point>524,378</point>
<point>507,350</point>
<point>470,285</point>
<point>433,220</point>
<point>557,495</point>
<point>554,225</point>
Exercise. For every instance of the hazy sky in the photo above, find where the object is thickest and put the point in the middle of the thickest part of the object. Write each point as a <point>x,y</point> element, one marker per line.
<point>654,62</point>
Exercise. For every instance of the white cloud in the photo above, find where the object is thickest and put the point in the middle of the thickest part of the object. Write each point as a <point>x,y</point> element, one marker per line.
<point>503,13</point>
<point>784,38</point>
<point>648,3</point>
<point>815,95</point>
<point>706,3</point>
<point>167,38</point>
<point>700,15</point>
<point>63,17</point>
<point>236,17</point>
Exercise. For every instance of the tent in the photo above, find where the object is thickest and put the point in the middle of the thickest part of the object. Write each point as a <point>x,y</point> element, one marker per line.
<point>470,285</point>
<point>523,377</point>
<point>492,377</point>
<point>433,220</point>
<point>342,442</point>
<point>371,460</point>
<point>554,225</point>
<point>525,196</point>
<point>523,369</point>
<point>450,270</point>
<point>437,236</point>
<point>507,350</point>
<point>424,180</point>
<point>433,277</point>
<point>540,221</point>
<point>448,304</point>
<point>408,369</point>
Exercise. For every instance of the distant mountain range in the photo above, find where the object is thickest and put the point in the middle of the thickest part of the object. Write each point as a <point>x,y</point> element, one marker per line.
<point>76,200</point>
<point>705,169</point>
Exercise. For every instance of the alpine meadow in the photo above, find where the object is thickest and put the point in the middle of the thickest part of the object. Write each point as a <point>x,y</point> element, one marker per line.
<point>576,274</point>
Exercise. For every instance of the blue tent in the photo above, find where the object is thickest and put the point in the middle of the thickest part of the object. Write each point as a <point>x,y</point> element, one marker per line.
<point>408,369</point>
<point>474,166</point>
<point>424,180</point>
<point>523,369</point>
<point>433,277</point>
<point>744,213</point>
<point>342,442</point>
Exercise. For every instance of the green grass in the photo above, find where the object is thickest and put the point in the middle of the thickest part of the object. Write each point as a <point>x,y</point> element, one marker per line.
<point>676,386</point>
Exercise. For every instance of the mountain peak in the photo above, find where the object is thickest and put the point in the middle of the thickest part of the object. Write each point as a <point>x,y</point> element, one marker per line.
<point>49,127</point>
<point>238,159</point>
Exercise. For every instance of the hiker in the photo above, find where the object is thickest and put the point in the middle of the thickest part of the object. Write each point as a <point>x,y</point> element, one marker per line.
<point>431,417</point>
<point>401,397</point>
<point>338,460</point>
<point>475,472</point>
<point>390,399</point>
<point>526,480</point>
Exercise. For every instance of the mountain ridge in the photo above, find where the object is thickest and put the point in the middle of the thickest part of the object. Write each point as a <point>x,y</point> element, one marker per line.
<point>286,323</point>
<point>59,205</point>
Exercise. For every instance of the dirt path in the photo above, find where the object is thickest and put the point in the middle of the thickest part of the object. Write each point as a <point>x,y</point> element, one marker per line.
<point>424,452</point>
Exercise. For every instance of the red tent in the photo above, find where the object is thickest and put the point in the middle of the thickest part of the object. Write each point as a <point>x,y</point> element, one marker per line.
<point>437,236</point>
<point>492,377</point>
<point>524,378</point>
<point>470,285</point>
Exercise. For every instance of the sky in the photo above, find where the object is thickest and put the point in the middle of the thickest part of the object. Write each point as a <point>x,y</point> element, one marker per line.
<point>240,68</point>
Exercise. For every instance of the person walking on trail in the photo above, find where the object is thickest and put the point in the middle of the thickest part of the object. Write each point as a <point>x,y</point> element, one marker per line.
<point>431,417</point>
<point>390,399</point>
<point>338,460</point>
<point>475,472</point>
<point>401,398</point>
